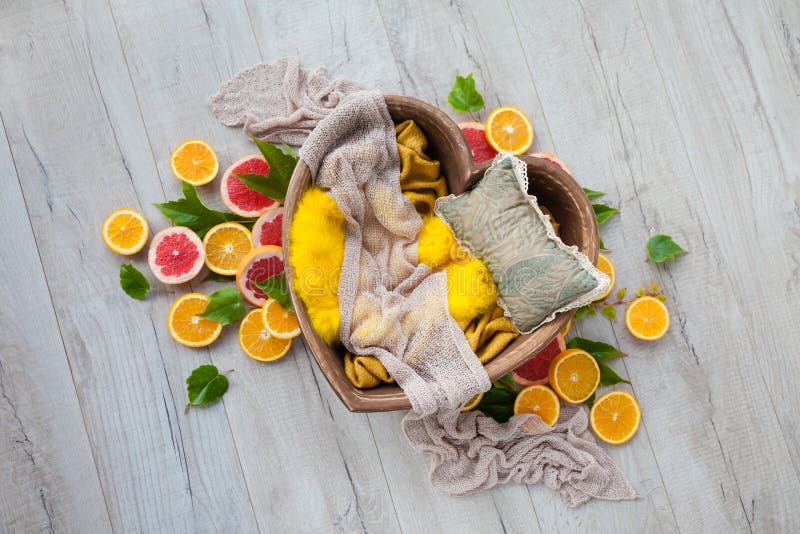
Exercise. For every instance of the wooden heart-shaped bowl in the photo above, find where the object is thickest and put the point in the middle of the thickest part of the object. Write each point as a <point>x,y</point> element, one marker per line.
<point>553,187</point>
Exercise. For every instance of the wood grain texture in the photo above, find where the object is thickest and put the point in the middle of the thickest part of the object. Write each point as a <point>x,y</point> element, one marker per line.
<point>44,449</point>
<point>686,113</point>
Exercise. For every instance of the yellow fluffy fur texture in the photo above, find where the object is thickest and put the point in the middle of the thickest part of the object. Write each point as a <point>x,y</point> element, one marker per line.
<point>470,288</point>
<point>316,252</point>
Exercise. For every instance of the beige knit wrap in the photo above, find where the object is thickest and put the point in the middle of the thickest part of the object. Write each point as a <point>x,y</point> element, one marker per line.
<point>395,309</point>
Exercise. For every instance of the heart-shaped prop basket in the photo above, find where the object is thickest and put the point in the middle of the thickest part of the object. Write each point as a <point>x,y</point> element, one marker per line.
<point>554,188</point>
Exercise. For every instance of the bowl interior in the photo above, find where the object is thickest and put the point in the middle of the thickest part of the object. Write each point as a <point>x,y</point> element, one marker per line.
<point>554,189</point>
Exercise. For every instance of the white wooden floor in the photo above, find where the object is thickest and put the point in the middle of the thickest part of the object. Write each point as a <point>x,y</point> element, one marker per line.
<point>687,113</point>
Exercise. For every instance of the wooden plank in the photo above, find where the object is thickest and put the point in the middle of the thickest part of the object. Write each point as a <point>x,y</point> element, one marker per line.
<point>623,136</point>
<point>476,44</point>
<point>784,17</point>
<point>43,444</point>
<point>78,161</point>
<point>306,461</point>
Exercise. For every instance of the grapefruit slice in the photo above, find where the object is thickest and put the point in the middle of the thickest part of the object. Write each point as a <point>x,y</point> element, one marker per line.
<point>268,227</point>
<point>260,264</point>
<point>239,198</point>
<point>176,255</point>
<point>475,134</point>
<point>552,158</point>
<point>534,371</point>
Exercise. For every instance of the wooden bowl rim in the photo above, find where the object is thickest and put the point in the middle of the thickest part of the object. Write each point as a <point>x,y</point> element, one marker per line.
<point>390,397</point>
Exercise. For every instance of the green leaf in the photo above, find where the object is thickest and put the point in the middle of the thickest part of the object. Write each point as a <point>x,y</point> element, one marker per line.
<point>275,287</point>
<point>498,403</point>
<point>603,245</point>
<point>205,385</point>
<point>601,351</point>
<point>192,213</point>
<point>225,306</point>
<point>608,377</point>
<point>609,312</point>
<point>216,277</point>
<point>583,311</point>
<point>506,382</point>
<point>463,96</point>
<point>603,212</point>
<point>661,247</point>
<point>281,167</point>
<point>654,288</point>
<point>289,150</point>
<point>591,193</point>
<point>590,401</point>
<point>640,291</point>
<point>621,293</point>
<point>662,298</point>
<point>133,282</point>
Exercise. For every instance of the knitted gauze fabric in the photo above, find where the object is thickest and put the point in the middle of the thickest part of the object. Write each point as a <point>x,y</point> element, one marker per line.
<point>395,309</point>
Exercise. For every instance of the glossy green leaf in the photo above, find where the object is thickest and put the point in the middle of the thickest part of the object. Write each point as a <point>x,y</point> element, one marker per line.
<point>661,248</point>
<point>601,351</point>
<point>608,377</point>
<point>225,306</point>
<point>133,281</point>
<point>464,97</point>
<point>498,403</point>
<point>603,212</point>
<point>276,287</point>
<point>591,193</point>
<point>191,212</point>
<point>205,385</point>
<point>609,312</point>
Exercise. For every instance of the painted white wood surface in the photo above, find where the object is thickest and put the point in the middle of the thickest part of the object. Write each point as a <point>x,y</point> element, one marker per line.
<point>685,113</point>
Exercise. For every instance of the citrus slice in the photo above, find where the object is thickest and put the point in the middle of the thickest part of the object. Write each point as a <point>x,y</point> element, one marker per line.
<point>226,244</point>
<point>615,417</point>
<point>574,375</point>
<point>125,231</point>
<point>647,318</point>
<point>194,161</point>
<point>257,343</point>
<point>552,158</point>
<point>508,129</point>
<point>267,229</point>
<point>472,403</point>
<point>605,265</point>
<point>258,265</point>
<point>176,255</point>
<point>567,328</point>
<point>540,400</point>
<point>475,134</point>
<point>279,323</point>
<point>534,371</point>
<point>185,324</point>
<point>239,198</point>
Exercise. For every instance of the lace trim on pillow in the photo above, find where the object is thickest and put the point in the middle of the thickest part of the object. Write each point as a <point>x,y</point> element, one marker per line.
<point>521,173</point>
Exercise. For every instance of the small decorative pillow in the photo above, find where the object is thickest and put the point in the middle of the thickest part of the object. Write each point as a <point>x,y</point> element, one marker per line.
<point>537,275</point>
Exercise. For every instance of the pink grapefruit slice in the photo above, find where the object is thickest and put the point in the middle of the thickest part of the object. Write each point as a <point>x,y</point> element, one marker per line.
<point>534,371</point>
<point>268,227</point>
<point>474,133</point>
<point>176,255</point>
<point>239,198</point>
<point>260,264</point>
<point>552,158</point>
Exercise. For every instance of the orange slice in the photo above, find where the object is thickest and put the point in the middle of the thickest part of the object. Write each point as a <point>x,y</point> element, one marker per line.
<point>472,403</point>
<point>279,322</point>
<point>647,318</point>
<point>615,417</point>
<point>508,129</point>
<point>605,265</point>
<point>540,400</point>
<point>185,324</point>
<point>566,328</point>
<point>125,231</point>
<point>574,375</point>
<point>257,343</point>
<point>194,161</point>
<point>226,244</point>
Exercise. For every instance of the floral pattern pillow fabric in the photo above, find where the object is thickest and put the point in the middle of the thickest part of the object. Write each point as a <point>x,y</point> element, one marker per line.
<point>537,275</point>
